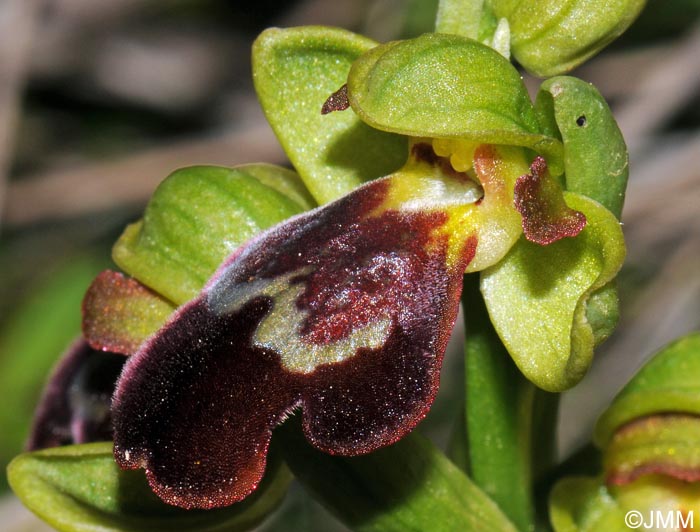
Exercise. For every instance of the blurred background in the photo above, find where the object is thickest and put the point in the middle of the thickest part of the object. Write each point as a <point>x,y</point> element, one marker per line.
<point>101,99</point>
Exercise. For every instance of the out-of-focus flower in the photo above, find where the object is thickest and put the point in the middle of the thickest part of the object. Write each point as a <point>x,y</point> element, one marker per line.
<point>650,438</point>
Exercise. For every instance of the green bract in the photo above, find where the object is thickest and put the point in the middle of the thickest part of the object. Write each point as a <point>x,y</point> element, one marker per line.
<point>295,70</point>
<point>447,86</point>
<point>79,488</point>
<point>410,485</point>
<point>537,297</point>
<point>198,216</point>
<point>550,38</point>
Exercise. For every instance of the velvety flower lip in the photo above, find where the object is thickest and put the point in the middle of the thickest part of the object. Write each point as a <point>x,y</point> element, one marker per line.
<point>344,312</point>
<point>539,199</point>
<point>75,405</point>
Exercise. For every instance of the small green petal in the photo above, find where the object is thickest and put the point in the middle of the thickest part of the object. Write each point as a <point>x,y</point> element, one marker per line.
<point>596,164</point>
<point>447,86</point>
<point>537,297</point>
<point>595,153</point>
<point>550,38</point>
<point>119,313</point>
<point>80,488</point>
<point>669,382</point>
<point>197,217</point>
<point>295,70</point>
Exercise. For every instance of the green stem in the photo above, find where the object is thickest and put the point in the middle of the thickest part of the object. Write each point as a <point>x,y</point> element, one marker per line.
<point>509,423</point>
<point>457,451</point>
<point>545,417</point>
<point>459,17</point>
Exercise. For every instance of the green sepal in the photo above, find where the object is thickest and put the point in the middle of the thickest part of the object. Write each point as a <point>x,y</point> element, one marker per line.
<point>80,488</point>
<point>669,382</point>
<point>410,485</point>
<point>583,504</point>
<point>295,70</point>
<point>448,86</point>
<point>197,217</point>
<point>536,297</point>
<point>550,38</point>
<point>595,153</point>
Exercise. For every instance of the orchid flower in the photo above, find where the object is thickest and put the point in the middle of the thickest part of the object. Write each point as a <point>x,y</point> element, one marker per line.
<point>253,292</point>
<point>649,442</point>
<point>345,311</point>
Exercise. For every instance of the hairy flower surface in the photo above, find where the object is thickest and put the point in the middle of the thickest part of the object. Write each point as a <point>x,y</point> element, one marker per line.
<point>344,311</point>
